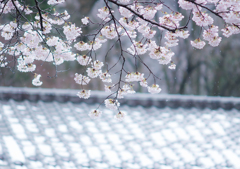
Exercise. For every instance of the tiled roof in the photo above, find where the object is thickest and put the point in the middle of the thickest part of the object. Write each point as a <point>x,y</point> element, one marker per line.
<point>60,135</point>
<point>146,100</point>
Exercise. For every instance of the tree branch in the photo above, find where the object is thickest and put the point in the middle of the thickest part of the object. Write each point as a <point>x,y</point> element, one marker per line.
<point>149,21</point>
<point>40,14</point>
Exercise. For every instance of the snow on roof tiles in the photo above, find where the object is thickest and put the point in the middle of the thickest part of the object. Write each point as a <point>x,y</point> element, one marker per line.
<point>61,135</point>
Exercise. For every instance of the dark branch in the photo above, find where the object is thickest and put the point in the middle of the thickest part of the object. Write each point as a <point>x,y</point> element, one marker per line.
<point>40,14</point>
<point>149,21</point>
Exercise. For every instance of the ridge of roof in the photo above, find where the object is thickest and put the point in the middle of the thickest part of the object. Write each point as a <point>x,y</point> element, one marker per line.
<point>143,99</point>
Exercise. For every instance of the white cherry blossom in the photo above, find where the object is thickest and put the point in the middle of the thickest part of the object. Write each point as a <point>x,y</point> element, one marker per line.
<point>3,62</point>
<point>85,94</point>
<point>108,89</point>
<point>84,60</point>
<point>215,41</point>
<point>144,83</point>
<point>172,66</point>
<point>36,81</point>
<point>186,5</point>
<point>94,114</point>
<point>154,89</point>
<point>93,73</point>
<point>124,1</point>
<point>55,2</point>
<point>202,19</point>
<point>105,77</point>
<point>110,32</point>
<point>112,104</point>
<point>71,32</point>
<point>82,80</point>
<point>82,46</point>
<point>138,48</point>
<point>85,20</point>
<point>198,43</point>
<point>104,14</point>
<point>134,77</point>
<point>148,12</point>
<point>125,12</point>
<point>120,116</point>
<point>131,25</point>
<point>97,64</point>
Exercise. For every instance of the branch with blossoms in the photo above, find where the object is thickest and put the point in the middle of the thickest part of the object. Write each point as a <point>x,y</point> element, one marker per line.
<point>131,25</point>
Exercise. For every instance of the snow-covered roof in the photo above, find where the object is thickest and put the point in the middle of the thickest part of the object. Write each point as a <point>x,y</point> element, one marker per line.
<point>41,129</point>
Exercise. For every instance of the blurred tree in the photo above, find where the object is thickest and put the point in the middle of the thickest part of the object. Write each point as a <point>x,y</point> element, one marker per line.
<point>86,6</point>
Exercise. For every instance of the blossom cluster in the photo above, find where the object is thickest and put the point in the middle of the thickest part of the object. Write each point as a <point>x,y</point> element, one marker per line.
<point>142,23</point>
<point>226,9</point>
<point>36,81</point>
<point>3,63</point>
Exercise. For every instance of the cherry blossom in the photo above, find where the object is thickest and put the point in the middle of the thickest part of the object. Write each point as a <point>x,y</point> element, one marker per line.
<point>110,32</point>
<point>227,32</point>
<point>124,1</point>
<point>52,41</point>
<point>144,83</point>
<point>138,48</point>
<point>198,43</point>
<point>171,39</point>
<point>148,12</point>
<point>131,25</point>
<point>208,34</point>
<point>94,114</point>
<point>105,77</point>
<point>82,46</point>
<point>126,89</point>
<point>108,88</point>
<point>146,31</point>
<point>84,94</point>
<point>97,64</point>
<point>104,14</point>
<point>120,116</point>
<point>215,41</point>
<point>3,62</point>
<point>71,31</point>
<point>164,60</point>
<point>131,33</point>
<point>8,30</point>
<point>230,30</point>
<point>93,73</point>
<point>172,66</point>
<point>154,89</point>
<point>83,60</point>
<point>182,34</point>
<point>186,5</point>
<point>85,20</point>
<point>36,81</point>
<point>82,80</point>
<point>24,66</point>
<point>112,104</point>
<point>158,7</point>
<point>134,77</point>
<point>202,19</point>
<point>55,2</point>
<point>135,30</point>
<point>171,20</point>
<point>125,12</point>
<point>162,54</point>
